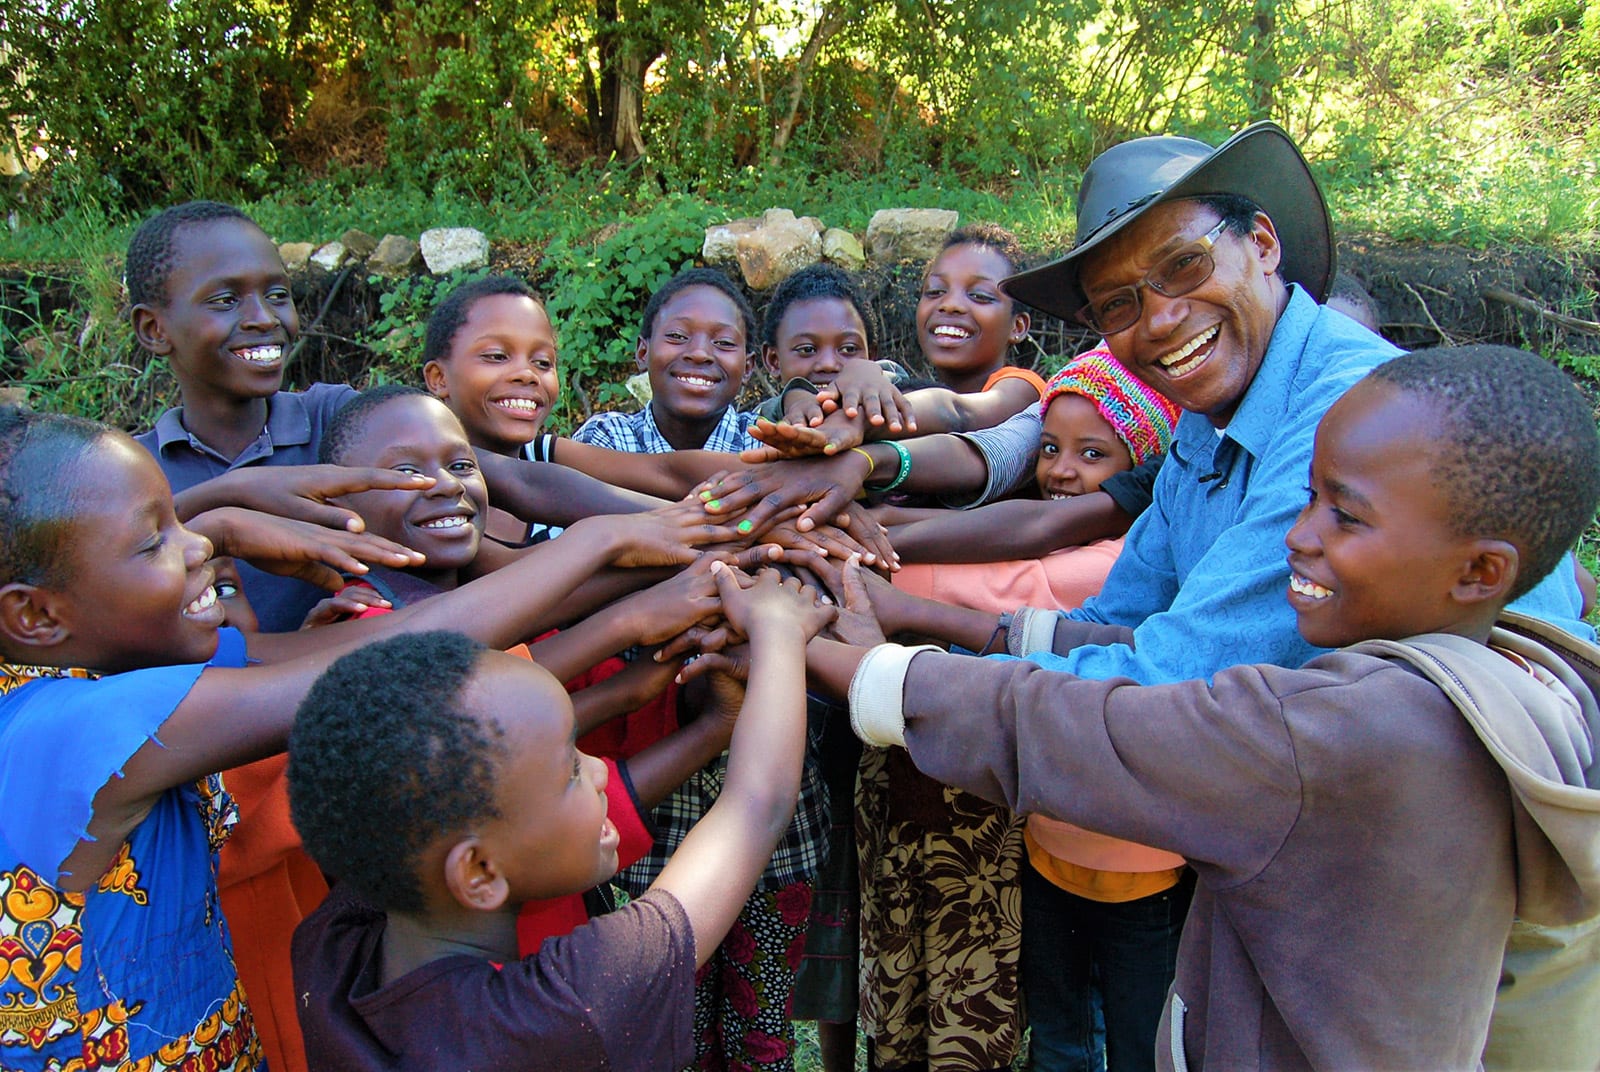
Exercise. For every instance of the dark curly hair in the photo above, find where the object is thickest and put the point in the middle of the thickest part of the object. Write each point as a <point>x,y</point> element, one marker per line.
<point>1516,452</point>
<point>384,761</point>
<point>348,423</point>
<point>39,458</point>
<point>152,251</point>
<point>699,277</point>
<point>448,316</point>
<point>812,282</point>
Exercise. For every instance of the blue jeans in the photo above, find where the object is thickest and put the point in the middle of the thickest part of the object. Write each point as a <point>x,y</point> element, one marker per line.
<point>1071,947</point>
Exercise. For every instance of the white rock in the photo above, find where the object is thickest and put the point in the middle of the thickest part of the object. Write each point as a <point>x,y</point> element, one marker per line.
<point>296,255</point>
<point>449,249</point>
<point>331,257</point>
<point>908,234</point>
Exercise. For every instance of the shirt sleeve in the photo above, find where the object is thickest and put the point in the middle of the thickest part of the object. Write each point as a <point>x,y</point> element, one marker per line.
<point>1206,772</point>
<point>1009,450</point>
<point>62,740</point>
<point>597,432</point>
<point>1134,490</point>
<point>1012,372</point>
<point>640,957</point>
<point>1230,605</point>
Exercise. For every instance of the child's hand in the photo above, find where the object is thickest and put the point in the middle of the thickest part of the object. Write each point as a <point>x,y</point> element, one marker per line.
<point>663,537</point>
<point>645,679</point>
<point>759,602</point>
<point>856,624</point>
<point>767,491</point>
<point>348,603</point>
<point>300,549</point>
<point>789,439</point>
<point>869,533</point>
<point>861,389</point>
<point>665,610</point>
<point>303,492</point>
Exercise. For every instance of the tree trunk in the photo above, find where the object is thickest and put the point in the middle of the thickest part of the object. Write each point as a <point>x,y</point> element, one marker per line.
<point>623,62</point>
<point>1264,73</point>
<point>828,24</point>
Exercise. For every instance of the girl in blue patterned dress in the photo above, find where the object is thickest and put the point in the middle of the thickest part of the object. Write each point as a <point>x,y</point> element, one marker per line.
<point>120,696</point>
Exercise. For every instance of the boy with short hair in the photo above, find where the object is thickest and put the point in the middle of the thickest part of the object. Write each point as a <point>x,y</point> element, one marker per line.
<point>1362,848</point>
<point>443,783</point>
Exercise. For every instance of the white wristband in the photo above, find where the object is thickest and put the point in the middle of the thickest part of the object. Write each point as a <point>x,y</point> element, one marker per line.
<point>1032,630</point>
<point>877,691</point>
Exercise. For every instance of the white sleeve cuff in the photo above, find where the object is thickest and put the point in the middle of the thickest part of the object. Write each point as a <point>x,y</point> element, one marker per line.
<point>877,691</point>
<point>1032,630</point>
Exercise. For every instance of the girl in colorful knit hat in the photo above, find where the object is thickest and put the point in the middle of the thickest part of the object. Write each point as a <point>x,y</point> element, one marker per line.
<point>920,857</point>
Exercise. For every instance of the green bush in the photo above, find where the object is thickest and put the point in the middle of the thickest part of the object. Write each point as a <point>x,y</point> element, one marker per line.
<point>145,102</point>
<point>597,289</point>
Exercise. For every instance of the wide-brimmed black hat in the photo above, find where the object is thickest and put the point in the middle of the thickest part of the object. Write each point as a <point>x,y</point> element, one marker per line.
<point>1126,181</point>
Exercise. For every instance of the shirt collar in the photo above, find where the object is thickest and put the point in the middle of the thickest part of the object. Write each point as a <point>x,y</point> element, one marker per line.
<point>288,423</point>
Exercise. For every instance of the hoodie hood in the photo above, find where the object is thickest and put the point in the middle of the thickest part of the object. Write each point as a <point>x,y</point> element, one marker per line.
<point>1542,729</point>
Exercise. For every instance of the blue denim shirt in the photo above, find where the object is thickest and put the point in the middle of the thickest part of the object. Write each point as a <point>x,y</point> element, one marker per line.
<point>1203,574</point>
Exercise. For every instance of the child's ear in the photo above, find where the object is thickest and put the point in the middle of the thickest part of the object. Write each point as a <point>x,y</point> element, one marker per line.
<point>769,358</point>
<point>1020,322</point>
<point>29,620</point>
<point>749,367</point>
<point>473,877</point>
<point>1490,573</point>
<point>150,329</point>
<point>641,354</point>
<point>433,377</point>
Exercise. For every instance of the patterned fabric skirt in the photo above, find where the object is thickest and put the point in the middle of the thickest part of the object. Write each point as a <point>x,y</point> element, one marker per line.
<point>742,994</point>
<point>941,920</point>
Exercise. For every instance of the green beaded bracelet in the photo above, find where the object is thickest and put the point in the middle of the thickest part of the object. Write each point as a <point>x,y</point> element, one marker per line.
<point>905,466</point>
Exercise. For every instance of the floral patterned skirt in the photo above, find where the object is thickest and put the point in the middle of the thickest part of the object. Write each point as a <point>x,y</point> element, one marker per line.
<point>941,920</point>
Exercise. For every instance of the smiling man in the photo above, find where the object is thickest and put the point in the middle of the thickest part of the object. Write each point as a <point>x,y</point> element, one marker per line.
<point>1203,269</point>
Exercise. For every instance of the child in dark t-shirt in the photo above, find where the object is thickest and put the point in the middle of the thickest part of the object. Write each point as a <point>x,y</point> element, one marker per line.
<point>442,782</point>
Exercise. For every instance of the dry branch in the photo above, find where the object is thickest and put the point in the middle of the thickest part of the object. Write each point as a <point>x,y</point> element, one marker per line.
<point>1528,305</point>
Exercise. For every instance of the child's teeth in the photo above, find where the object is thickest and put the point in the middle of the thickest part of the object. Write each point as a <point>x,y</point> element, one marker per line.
<point>260,355</point>
<point>524,405</point>
<point>203,601</point>
<point>1301,586</point>
<point>446,523</point>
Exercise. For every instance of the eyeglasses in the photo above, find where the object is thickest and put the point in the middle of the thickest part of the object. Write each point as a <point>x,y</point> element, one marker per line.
<point>1174,277</point>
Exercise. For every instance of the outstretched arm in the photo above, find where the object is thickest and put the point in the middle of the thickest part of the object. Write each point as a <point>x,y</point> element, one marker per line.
<point>668,476</point>
<point>1014,529</point>
<point>714,869</point>
<point>232,716</point>
<point>555,494</point>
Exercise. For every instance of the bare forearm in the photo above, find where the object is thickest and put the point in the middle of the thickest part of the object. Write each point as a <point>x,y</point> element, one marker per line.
<point>830,665</point>
<point>555,494</point>
<point>940,465</point>
<point>1015,529</point>
<point>579,647</point>
<point>664,766</point>
<point>899,612</point>
<point>224,490</point>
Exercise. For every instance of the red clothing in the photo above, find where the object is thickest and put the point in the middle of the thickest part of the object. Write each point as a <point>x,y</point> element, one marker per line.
<point>268,885</point>
<point>556,916</point>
